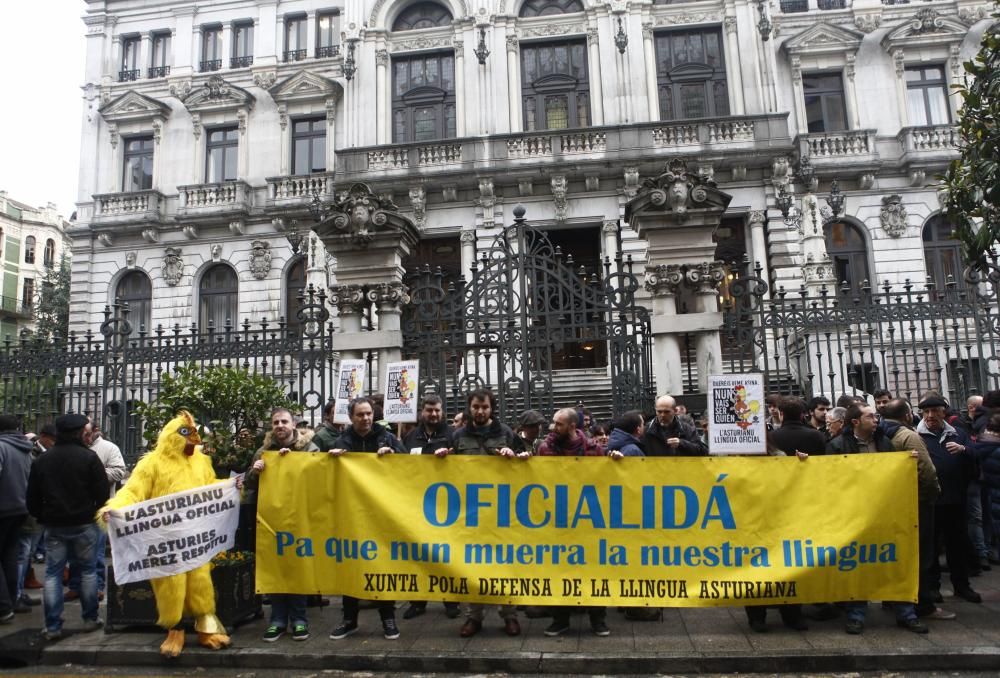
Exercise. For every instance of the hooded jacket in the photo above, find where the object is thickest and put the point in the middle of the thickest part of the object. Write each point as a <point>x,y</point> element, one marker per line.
<point>15,467</point>
<point>626,443</point>
<point>905,439</point>
<point>654,440</point>
<point>303,442</point>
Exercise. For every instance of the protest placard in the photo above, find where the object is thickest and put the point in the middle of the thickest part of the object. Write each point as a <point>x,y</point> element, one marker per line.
<point>401,395</point>
<point>736,414</point>
<point>350,385</point>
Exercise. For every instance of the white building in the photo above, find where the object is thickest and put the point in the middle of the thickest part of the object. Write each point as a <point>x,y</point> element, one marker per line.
<point>209,127</point>
<point>32,243</point>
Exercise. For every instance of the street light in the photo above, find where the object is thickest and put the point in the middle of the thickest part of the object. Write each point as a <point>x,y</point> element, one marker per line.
<point>764,24</point>
<point>350,67</point>
<point>621,37</point>
<point>806,175</point>
<point>481,50</point>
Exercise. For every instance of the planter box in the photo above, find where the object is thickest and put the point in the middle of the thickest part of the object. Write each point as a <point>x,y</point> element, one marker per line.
<point>235,600</point>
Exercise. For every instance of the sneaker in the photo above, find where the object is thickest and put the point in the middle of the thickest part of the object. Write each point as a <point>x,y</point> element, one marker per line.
<point>92,625</point>
<point>556,628</point>
<point>28,600</point>
<point>600,629</point>
<point>414,610</point>
<point>389,629</point>
<point>758,626</point>
<point>300,632</point>
<point>21,607</point>
<point>854,627</point>
<point>51,635</point>
<point>938,613</point>
<point>345,629</point>
<point>912,624</point>
<point>272,633</point>
<point>7,618</point>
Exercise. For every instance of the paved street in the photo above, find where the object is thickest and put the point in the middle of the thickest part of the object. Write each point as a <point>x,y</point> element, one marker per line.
<point>685,641</point>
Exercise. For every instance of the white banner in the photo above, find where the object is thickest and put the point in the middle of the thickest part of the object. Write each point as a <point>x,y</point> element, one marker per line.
<point>350,383</point>
<point>401,395</point>
<point>736,414</point>
<point>174,533</point>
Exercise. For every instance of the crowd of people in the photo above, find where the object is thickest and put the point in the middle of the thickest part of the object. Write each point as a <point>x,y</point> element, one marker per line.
<point>53,483</point>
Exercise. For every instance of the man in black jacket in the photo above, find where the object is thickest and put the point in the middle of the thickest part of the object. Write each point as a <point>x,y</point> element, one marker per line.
<point>795,435</point>
<point>861,433</point>
<point>66,487</point>
<point>671,436</point>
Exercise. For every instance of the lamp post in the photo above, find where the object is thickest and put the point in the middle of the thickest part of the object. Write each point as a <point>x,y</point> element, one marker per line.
<point>350,65</point>
<point>481,51</point>
<point>805,173</point>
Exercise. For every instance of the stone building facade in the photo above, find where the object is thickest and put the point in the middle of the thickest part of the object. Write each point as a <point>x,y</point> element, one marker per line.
<point>210,129</point>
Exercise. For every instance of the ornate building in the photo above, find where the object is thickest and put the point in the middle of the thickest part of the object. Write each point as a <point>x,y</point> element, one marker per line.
<point>216,136</point>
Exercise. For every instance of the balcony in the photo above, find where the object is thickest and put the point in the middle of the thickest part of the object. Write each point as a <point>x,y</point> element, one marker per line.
<point>210,65</point>
<point>128,76</point>
<point>12,307</point>
<point>213,201</point>
<point>799,6</point>
<point>932,144</point>
<point>159,72</point>
<point>295,55</point>
<point>327,51</point>
<point>298,191</point>
<point>135,207</point>
<point>855,149</point>
<point>794,6</point>
<point>719,139</point>
<point>241,62</point>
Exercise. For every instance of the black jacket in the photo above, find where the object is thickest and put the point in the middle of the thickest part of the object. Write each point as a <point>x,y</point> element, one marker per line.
<point>377,438</point>
<point>955,471</point>
<point>847,443</point>
<point>15,466</point>
<point>797,436</point>
<point>418,437</point>
<point>67,486</point>
<point>487,439</point>
<point>654,440</point>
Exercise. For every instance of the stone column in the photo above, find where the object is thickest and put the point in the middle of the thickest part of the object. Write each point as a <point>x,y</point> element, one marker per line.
<point>226,50</point>
<point>758,243</point>
<point>899,61</point>
<point>649,58</point>
<point>468,239</point>
<point>733,70</point>
<point>799,96</point>
<point>513,85</point>
<point>662,282</point>
<point>705,279</point>
<point>181,42</point>
<point>596,90</point>
<point>381,98</point>
<point>388,299</point>
<point>609,232</point>
<point>350,302</point>
<point>460,92</point>
<point>851,94</point>
<point>145,55</point>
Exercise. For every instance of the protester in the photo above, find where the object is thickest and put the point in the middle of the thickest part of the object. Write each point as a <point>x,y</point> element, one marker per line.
<point>990,405</point>
<point>818,407</point>
<point>626,436</point>
<point>458,421</point>
<point>286,608</point>
<point>15,467</point>
<point>529,428</point>
<point>988,452</point>
<point>795,435</point>
<point>599,434</point>
<point>328,432</point>
<point>30,540</point>
<point>364,435</point>
<point>882,397</point>
<point>670,436</point>
<point>834,422</point>
<point>772,412</point>
<point>66,487</point>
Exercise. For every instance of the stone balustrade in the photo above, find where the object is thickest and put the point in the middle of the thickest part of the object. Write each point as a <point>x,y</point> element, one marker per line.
<point>299,187</point>
<point>935,138</point>
<point>134,206</point>
<point>839,144</point>
<point>225,198</point>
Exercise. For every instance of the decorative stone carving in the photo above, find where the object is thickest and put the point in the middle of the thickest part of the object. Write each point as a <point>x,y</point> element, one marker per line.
<point>113,135</point>
<point>190,232</point>
<point>283,116</point>
<point>150,235</point>
<point>512,43</point>
<point>265,79</point>
<point>238,227</point>
<point>525,187</point>
<point>459,47</point>
<point>609,226</point>
<point>593,182</point>
<point>672,189</point>
<point>706,172</point>
<point>426,42</point>
<point>560,188</point>
<point>796,62</point>
<point>260,259</point>
<point>927,20</point>
<point>918,177</point>
<point>631,182</point>
<point>278,222</point>
<point>893,215</point>
<point>592,36</point>
<point>647,30</point>
<point>449,193</point>
<point>955,62</point>
<point>130,259</point>
<point>392,294</point>
<point>756,217</point>
<point>849,66</point>
<point>866,181</point>
<point>663,280</point>
<point>487,200</point>
<point>358,213</point>
<point>106,239</point>
<point>705,277</point>
<point>418,200</point>
<point>382,55</point>
<point>196,125</point>
<point>216,252</point>
<point>157,126</point>
<point>819,272</point>
<point>730,23</point>
<point>180,88</point>
<point>899,61</point>
<point>173,266</point>
<point>867,23</point>
<point>973,15</point>
<point>241,121</point>
<point>349,299</point>
<point>550,29</point>
<point>467,236</point>
<point>942,198</point>
<point>689,18</point>
<point>780,169</point>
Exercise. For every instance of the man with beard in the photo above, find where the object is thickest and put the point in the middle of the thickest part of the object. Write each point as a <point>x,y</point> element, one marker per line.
<point>671,436</point>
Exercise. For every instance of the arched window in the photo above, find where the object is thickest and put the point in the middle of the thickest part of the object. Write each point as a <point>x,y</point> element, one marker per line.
<point>942,252</point>
<point>295,284</point>
<point>422,15</point>
<point>29,249</point>
<point>549,7</point>
<point>849,253</point>
<point>218,297</point>
<point>135,290</point>
<point>50,253</point>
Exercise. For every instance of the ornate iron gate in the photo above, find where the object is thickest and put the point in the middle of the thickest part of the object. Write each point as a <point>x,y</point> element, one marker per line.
<point>523,302</point>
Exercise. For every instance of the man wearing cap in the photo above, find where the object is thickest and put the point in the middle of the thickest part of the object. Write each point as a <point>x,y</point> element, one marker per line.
<point>529,427</point>
<point>955,465</point>
<point>67,486</point>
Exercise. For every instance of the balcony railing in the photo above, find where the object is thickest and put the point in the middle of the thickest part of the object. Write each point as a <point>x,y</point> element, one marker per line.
<point>128,76</point>
<point>295,54</point>
<point>298,190</point>
<point>159,71</point>
<point>794,6</point>
<point>13,306</point>
<point>327,51</point>
<point>210,65</point>
<point>831,4</point>
<point>135,206</point>
<point>241,62</point>
<point>221,198</point>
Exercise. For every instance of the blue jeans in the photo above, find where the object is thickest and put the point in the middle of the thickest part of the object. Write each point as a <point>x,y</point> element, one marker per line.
<point>75,544</point>
<point>26,545</point>
<point>857,610</point>
<point>287,607</point>
<point>101,567</point>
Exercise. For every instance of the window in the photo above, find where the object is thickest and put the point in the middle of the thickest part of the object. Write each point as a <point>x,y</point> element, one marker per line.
<point>327,35</point>
<point>423,97</point>
<point>222,155</point>
<point>211,48</point>
<point>28,295</point>
<point>825,109</point>
<point>549,7</point>
<point>160,64</point>
<point>295,38</point>
<point>138,171</point>
<point>942,253</point>
<point>422,15</point>
<point>691,75</point>
<point>130,59</point>
<point>295,285</point>
<point>242,45</point>
<point>927,96</point>
<point>29,249</point>
<point>849,253</point>
<point>217,297</point>
<point>135,290</point>
<point>555,85</point>
<point>49,254</point>
<point>309,146</point>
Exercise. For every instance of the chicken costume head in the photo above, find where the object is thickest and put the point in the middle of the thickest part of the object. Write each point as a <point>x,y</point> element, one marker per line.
<point>177,464</point>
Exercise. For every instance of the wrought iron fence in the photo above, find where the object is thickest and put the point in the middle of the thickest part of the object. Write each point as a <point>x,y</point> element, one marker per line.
<point>909,338</point>
<point>105,374</point>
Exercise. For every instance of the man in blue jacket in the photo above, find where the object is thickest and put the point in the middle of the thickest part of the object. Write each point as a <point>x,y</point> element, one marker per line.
<point>625,439</point>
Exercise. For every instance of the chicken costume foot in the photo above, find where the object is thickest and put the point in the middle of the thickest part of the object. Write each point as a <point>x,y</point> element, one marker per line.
<point>174,643</point>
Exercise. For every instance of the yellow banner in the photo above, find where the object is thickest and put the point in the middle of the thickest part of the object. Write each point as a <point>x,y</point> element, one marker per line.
<point>681,532</point>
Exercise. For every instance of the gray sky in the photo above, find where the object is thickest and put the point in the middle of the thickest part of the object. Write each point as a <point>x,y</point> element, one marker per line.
<point>42,49</point>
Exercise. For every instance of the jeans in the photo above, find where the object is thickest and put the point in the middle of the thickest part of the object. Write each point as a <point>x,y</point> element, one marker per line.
<point>26,545</point>
<point>75,544</point>
<point>100,566</point>
<point>287,607</point>
<point>10,530</point>
<point>857,610</point>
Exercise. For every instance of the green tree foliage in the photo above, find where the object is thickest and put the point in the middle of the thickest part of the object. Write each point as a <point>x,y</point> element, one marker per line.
<point>973,180</point>
<point>52,309</point>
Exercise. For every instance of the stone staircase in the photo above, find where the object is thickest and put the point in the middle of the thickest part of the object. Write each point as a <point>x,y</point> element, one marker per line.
<point>592,387</point>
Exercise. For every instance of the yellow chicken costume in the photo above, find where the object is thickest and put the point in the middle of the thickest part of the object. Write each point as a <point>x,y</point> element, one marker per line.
<point>176,464</point>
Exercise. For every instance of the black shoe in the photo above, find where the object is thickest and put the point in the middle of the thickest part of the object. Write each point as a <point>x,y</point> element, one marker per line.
<point>413,610</point>
<point>967,594</point>
<point>347,628</point>
<point>556,628</point>
<point>984,563</point>
<point>937,597</point>
<point>823,612</point>
<point>854,627</point>
<point>21,607</point>
<point>600,628</point>
<point>911,625</point>
<point>28,600</point>
<point>451,610</point>
<point>389,629</point>
<point>758,626</point>
<point>796,624</point>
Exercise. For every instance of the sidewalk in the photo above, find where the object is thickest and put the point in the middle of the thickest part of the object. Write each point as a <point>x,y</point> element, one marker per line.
<point>685,641</point>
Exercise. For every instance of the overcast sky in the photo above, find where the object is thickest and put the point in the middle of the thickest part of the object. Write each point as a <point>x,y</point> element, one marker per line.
<point>42,50</point>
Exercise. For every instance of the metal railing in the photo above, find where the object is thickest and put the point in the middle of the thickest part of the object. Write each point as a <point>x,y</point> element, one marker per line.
<point>159,71</point>
<point>210,65</point>
<point>241,62</point>
<point>327,51</point>
<point>128,76</point>
<point>295,54</point>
